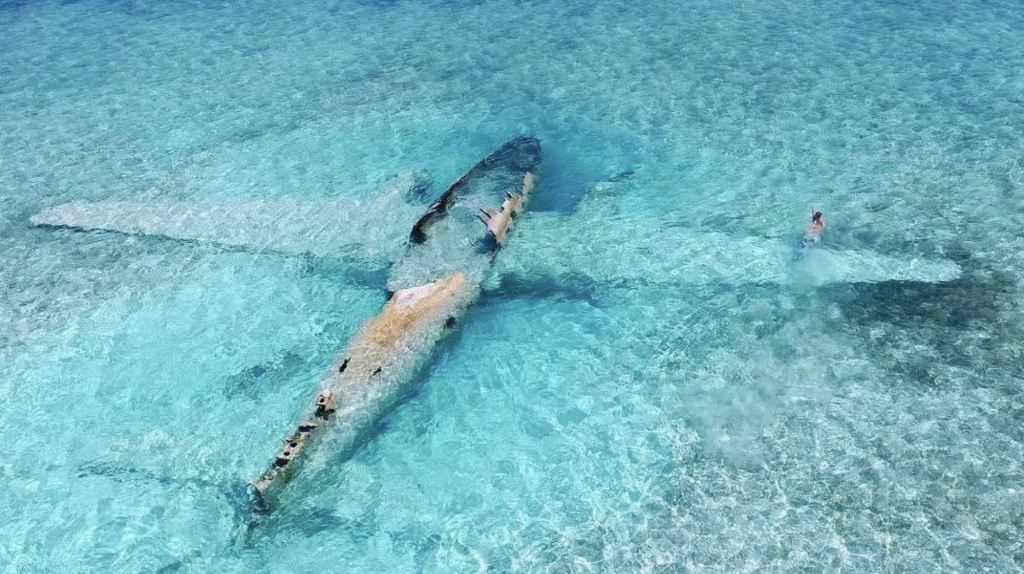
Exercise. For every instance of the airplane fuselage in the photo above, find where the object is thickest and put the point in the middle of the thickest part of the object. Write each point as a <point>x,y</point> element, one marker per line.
<point>433,285</point>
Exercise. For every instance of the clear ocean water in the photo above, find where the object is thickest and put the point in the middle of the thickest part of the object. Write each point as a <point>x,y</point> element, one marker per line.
<point>668,397</point>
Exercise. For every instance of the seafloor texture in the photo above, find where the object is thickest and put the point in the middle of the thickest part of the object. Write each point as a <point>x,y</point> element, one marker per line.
<point>667,384</point>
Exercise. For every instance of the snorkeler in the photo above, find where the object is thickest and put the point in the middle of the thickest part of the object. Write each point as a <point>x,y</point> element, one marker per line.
<point>813,234</point>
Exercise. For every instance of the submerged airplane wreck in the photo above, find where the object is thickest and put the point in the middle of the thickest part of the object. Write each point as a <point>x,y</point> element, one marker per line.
<point>433,284</point>
<point>436,272</point>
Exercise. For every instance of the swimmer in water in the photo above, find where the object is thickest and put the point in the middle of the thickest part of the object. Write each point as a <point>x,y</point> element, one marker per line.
<point>813,234</point>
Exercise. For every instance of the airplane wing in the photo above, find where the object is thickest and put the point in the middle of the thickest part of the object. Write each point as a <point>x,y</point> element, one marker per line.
<point>593,243</point>
<point>373,229</point>
<point>607,250</point>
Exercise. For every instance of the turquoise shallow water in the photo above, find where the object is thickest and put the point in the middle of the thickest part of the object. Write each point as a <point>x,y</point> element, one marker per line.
<point>711,414</point>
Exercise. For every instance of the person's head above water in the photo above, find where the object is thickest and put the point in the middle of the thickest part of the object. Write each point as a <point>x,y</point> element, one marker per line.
<point>816,216</point>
